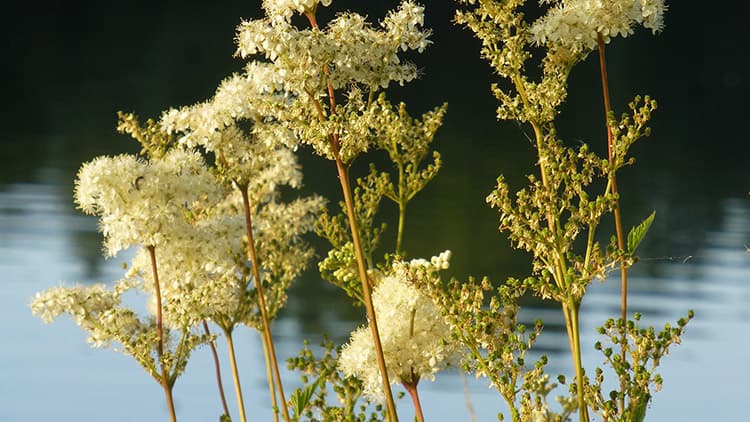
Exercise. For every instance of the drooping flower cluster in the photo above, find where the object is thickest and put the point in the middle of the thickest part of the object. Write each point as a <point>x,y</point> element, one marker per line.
<point>99,311</point>
<point>575,23</point>
<point>416,339</point>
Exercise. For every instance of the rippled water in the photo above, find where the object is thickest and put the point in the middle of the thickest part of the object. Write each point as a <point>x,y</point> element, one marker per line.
<point>44,241</point>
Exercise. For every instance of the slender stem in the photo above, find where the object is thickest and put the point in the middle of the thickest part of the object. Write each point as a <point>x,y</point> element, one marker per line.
<point>401,221</point>
<point>572,308</point>
<point>401,207</point>
<point>618,218</point>
<point>170,402</point>
<point>467,397</point>
<point>235,376</point>
<point>361,266</point>
<point>212,344</point>
<point>269,377</point>
<point>261,299</point>
<point>346,188</point>
<point>411,387</point>
<point>166,385</point>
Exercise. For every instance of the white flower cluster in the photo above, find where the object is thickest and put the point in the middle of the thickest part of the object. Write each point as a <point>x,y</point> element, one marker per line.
<point>284,9</point>
<point>139,201</point>
<point>252,95</point>
<point>416,339</point>
<point>574,24</point>
<point>348,51</point>
<point>99,311</point>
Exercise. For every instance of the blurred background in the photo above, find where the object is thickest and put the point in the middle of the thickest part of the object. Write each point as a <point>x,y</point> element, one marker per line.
<point>70,66</point>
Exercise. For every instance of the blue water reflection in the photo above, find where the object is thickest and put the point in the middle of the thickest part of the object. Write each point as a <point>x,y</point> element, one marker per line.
<point>50,373</point>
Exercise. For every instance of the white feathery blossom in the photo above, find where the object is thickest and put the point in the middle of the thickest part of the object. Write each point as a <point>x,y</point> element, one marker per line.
<point>574,24</point>
<point>202,269</point>
<point>252,95</point>
<point>284,9</point>
<point>416,339</point>
<point>350,48</point>
<point>98,311</point>
<point>192,258</point>
<point>138,200</point>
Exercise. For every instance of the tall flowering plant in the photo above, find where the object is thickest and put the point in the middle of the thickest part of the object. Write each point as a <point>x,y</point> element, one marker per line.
<point>217,243</point>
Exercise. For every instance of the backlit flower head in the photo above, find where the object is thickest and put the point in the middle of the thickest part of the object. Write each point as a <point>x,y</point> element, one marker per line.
<point>138,200</point>
<point>574,24</point>
<point>284,9</point>
<point>416,339</point>
<point>353,50</point>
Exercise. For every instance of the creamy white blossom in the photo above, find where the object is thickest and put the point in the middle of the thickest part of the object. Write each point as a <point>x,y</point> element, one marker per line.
<point>574,24</point>
<point>349,50</point>
<point>252,95</point>
<point>416,339</point>
<point>138,200</point>
<point>284,9</point>
<point>99,311</point>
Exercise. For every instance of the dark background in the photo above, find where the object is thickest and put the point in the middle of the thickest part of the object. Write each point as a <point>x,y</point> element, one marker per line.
<point>70,65</point>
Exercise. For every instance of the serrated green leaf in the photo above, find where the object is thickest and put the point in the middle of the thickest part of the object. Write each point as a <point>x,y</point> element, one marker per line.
<point>300,399</point>
<point>638,232</point>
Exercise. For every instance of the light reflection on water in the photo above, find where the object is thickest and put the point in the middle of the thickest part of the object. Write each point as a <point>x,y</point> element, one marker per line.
<point>50,373</point>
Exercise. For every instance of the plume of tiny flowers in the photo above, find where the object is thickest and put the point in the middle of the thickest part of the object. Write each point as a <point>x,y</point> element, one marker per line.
<point>574,24</point>
<point>138,200</point>
<point>98,310</point>
<point>284,9</point>
<point>203,270</point>
<point>350,49</point>
<point>416,339</point>
<point>252,95</point>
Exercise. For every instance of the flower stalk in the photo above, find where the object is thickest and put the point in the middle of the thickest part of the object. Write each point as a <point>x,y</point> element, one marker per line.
<point>235,376</point>
<point>343,175</point>
<point>268,338</point>
<point>215,355</point>
<point>165,382</point>
<point>612,184</point>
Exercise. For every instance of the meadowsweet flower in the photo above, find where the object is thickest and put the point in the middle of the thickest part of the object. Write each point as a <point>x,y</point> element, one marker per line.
<point>138,200</point>
<point>98,310</point>
<point>574,24</point>
<point>350,48</point>
<point>252,95</point>
<point>284,9</point>
<point>416,339</point>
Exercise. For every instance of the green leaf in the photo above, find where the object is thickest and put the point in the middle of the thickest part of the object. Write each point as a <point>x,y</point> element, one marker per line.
<point>638,232</point>
<point>300,399</point>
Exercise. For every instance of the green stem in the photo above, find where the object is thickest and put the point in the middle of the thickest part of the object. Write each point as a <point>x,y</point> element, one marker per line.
<point>401,206</point>
<point>401,221</point>
<point>212,344</point>
<point>235,376</point>
<point>618,217</point>
<point>269,377</point>
<point>261,300</point>
<point>574,332</point>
